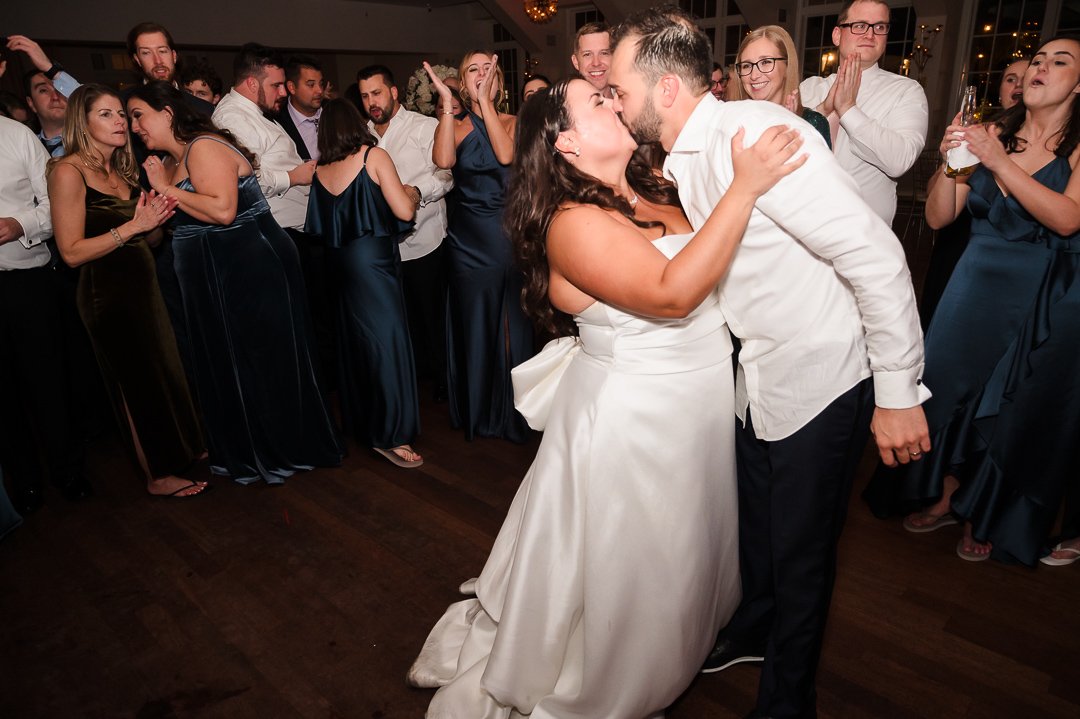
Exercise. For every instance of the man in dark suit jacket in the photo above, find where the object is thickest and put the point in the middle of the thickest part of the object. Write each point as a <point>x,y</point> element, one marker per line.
<point>299,115</point>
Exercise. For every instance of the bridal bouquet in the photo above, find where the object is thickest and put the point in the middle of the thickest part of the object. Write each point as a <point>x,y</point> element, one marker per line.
<point>420,96</point>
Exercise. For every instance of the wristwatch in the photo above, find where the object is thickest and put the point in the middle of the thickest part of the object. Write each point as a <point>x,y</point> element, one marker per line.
<point>53,70</point>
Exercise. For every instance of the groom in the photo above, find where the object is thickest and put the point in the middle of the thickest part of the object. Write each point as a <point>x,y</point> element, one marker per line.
<point>820,295</point>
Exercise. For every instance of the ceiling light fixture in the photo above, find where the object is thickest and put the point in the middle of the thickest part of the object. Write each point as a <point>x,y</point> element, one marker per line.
<point>541,11</point>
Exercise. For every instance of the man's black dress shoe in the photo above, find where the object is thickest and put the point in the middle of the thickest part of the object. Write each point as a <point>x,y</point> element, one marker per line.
<point>77,488</point>
<point>728,653</point>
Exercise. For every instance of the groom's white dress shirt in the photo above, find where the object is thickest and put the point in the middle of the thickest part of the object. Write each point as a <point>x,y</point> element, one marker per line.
<point>819,290</point>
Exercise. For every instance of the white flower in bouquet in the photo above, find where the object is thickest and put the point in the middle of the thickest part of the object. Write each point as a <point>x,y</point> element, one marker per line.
<point>420,96</point>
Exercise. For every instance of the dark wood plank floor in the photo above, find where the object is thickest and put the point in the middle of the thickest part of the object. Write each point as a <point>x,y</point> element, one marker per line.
<point>311,600</point>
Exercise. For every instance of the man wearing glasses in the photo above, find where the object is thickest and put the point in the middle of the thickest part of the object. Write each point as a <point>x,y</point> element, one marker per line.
<point>719,80</point>
<point>878,118</point>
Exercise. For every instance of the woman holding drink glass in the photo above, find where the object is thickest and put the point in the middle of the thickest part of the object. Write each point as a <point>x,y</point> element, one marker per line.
<point>1001,353</point>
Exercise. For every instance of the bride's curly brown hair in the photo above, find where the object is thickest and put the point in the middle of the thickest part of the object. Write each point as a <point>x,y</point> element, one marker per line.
<point>542,182</point>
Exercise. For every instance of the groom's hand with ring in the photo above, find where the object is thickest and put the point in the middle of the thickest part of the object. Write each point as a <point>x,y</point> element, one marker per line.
<point>901,434</point>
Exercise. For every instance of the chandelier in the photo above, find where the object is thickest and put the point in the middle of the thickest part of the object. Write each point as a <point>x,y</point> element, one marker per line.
<point>541,11</point>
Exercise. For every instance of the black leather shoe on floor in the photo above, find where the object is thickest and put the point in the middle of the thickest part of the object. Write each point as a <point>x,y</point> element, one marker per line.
<point>76,489</point>
<point>727,653</point>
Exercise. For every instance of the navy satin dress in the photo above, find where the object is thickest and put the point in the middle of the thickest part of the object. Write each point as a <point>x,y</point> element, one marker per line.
<point>488,333</point>
<point>247,319</point>
<point>1003,362</point>
<point>376,376</point>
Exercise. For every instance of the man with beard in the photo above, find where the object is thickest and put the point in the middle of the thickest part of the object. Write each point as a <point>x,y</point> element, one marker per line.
<point>285,177</point>
<point>409,137</point>
<point>151,47</point>
<point>259,90</point>
<point>299,115</point>
<point>820,296</point>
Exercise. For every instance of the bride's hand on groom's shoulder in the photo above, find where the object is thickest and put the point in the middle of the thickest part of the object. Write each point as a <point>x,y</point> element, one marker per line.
<point>759,167</point>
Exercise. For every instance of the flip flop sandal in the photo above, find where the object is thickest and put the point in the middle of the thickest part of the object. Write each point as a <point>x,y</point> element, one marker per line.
<point>968,555</point>
<point>943,520</point>
<point>203,489</point>
<point>398,460</point>
<point>1064,562</point>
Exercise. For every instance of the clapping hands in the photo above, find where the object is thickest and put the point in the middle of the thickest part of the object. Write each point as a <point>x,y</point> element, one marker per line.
<point>153,210</point>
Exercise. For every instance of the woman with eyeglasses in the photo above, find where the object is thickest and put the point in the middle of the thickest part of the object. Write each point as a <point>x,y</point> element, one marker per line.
<point>768,69</point>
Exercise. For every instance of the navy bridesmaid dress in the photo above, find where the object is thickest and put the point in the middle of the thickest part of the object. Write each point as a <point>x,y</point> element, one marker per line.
<point>376,376</point>
<point>488,333</point>
<point>247,319</point>
<point>1002,362</point>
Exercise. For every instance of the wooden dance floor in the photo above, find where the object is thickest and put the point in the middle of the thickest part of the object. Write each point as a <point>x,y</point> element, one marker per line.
<point>311,600</point>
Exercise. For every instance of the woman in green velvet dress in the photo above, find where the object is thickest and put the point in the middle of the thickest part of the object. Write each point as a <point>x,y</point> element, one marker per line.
<point>102,222</point>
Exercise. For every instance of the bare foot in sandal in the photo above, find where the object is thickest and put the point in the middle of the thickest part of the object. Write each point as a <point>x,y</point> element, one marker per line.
<point>172,486</point>
<point>970,550</point>
<point>402,456</point>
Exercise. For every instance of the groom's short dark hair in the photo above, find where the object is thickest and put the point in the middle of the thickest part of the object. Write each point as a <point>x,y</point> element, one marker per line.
<point>668,41</point>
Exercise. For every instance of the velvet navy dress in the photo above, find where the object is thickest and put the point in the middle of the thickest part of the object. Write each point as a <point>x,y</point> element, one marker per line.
<point>488,333</point>
<point>376,376</point>
<point>247,319</point>
<point>1003,362</point>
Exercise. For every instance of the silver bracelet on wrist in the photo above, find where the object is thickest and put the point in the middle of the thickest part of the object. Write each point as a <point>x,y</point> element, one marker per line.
<point>116,237</point>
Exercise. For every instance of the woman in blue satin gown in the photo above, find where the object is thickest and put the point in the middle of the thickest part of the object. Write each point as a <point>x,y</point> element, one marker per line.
<point>360,210</point>
<point>488,333</point>
<point>1001,350</point>
<point>243,297</point>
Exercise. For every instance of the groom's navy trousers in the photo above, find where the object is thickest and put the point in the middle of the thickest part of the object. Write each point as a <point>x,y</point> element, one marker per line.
<point>793,497</point>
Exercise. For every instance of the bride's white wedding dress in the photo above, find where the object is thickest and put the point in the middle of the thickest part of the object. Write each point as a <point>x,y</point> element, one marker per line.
<point>618,561</point>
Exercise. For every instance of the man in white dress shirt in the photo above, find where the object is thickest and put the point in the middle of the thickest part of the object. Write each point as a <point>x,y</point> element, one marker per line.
<point>36,417</point>
<point>820,296</point>
<point>409,137</point>
<point>260,87</point>
<point>285,178</point>
<point>879,118</point>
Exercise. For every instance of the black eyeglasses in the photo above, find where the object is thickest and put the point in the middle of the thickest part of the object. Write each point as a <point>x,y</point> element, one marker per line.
<point>765,64</point>
<point>860,28</point>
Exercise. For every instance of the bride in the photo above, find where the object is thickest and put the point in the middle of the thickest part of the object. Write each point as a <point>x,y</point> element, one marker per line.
<point>618,560</point>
